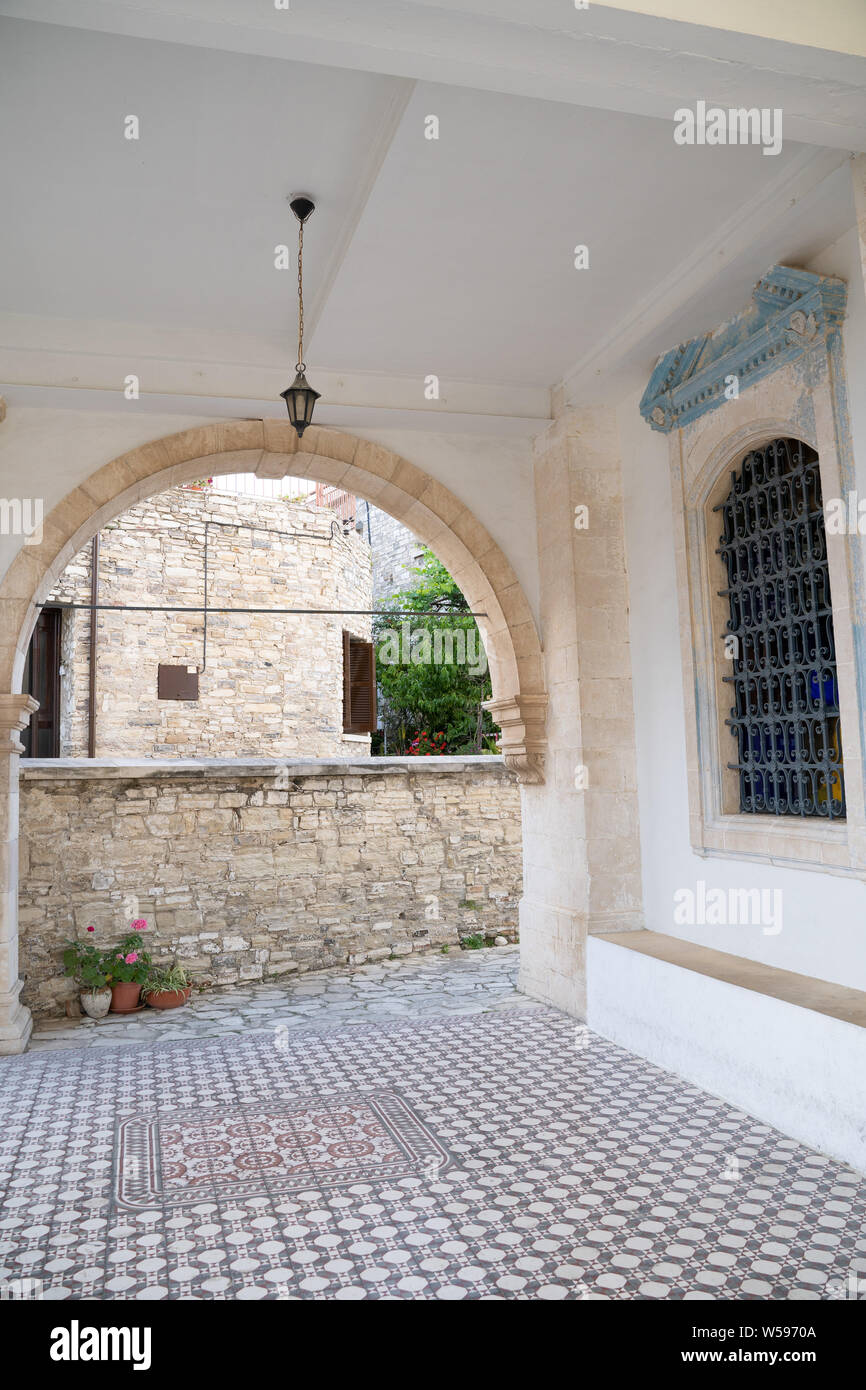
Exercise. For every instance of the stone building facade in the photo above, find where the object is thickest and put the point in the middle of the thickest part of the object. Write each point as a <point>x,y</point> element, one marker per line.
<point>395,551</point>
<point>271,685</point>
<point>245,871</point>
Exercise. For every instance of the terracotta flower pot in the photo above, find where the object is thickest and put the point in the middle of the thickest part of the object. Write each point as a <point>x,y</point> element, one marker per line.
<point>96,1002</point>
<point>124,997</point>
<point>167,998</point>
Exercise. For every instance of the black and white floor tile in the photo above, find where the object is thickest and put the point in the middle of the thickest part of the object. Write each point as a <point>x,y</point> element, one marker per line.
<point>496,1156</point>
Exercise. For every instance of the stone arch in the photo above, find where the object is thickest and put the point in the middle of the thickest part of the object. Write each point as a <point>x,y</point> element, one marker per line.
<point>271,449</point>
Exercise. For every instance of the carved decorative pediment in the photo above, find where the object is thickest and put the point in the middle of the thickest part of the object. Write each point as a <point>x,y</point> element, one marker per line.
<point>790,311</point>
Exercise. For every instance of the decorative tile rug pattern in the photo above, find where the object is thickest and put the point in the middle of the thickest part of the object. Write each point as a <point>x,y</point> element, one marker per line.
<point>576,1171</point>
<point>252,1150</point>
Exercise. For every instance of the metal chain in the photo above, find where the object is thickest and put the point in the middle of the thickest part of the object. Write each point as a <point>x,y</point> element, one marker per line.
<point>301,366</point>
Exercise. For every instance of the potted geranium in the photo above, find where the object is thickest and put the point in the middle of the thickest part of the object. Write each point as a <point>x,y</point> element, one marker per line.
<point>167,987</point>
<point>127,967</point>
<point>86,965</point>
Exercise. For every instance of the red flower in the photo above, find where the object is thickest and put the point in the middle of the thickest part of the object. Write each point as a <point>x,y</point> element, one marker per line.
<point>91,929</point>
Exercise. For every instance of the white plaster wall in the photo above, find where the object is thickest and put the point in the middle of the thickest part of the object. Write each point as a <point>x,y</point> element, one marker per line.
<point>492,476</point>
<point>801,1071</point>
<point>823,915</point>
<point>47,452</point>
<point>843,259</point>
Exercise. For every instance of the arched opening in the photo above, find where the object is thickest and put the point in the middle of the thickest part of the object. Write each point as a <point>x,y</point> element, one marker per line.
<point>269,449</point>
<point>374,473</point>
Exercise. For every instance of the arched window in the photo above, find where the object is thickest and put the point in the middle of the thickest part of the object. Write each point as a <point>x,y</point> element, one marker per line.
<point>784,719</point>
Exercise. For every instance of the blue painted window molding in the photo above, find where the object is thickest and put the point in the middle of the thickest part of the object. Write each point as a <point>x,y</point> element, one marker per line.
<point>790,309</point>
<point>786,351</point>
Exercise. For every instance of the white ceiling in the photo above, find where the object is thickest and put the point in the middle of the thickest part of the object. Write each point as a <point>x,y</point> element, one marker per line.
<point>451,257</point>
<point>464,260</point>
<point>179,227</point>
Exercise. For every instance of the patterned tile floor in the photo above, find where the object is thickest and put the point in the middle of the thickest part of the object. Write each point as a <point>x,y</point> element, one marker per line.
<point>498,1154</point>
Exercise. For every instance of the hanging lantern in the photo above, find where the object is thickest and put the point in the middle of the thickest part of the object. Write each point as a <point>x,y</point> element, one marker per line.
<point>300,398</point>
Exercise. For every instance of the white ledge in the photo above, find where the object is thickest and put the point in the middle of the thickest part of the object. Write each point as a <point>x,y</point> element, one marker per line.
<point>786,1047</point>
<point>804,991</point>
<point>135,769</point>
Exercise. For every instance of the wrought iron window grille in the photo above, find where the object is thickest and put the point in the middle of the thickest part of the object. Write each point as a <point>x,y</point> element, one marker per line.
<point>785,715</point>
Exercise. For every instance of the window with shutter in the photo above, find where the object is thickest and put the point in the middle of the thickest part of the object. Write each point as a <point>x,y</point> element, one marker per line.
<point>359,685</point>
<point>41,737</point>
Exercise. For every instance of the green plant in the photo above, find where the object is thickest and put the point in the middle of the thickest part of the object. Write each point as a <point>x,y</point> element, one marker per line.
<point>85,964</point>
<point>445,949</point>
<point>127,963</point>
<point>432,707</point>
<point>167,979</point>
<point>473,942</point>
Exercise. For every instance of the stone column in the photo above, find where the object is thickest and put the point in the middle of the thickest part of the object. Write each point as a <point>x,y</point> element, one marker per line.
<point>580,828</point>
<point>15,1020</point>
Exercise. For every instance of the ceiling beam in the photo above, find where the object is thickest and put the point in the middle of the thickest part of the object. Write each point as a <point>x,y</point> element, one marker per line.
<point>379,148</point>
<point>447,416</point>
<point>601,57</point>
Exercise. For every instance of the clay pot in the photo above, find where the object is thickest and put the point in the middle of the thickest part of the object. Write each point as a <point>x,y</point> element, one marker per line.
<point>124,997</point>
<point>168,998</point>
<point>96,1002</point>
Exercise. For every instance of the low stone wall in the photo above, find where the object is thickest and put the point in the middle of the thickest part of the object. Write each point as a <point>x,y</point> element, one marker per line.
<point>250,868</point>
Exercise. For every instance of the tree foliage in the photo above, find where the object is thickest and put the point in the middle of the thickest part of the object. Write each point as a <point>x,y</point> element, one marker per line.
<point>420,694</point>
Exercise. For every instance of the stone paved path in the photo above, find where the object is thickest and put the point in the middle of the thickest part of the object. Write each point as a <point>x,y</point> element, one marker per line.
<point>420,986</point>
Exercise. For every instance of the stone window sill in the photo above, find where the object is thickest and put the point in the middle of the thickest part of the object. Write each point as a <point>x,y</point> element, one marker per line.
<point>809,843</point>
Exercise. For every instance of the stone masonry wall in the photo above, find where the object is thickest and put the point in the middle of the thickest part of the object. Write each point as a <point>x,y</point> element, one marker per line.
<point>247,870</point>
<point>272,686</point>
<point>395,552</point>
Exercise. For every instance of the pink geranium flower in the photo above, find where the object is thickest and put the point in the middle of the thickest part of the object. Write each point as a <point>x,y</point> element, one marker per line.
<point>140,924</point>
<point>131,958</point>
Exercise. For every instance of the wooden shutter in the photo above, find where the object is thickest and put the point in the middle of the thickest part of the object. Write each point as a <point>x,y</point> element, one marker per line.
<point>41,737</point>
<point>359,685</point>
